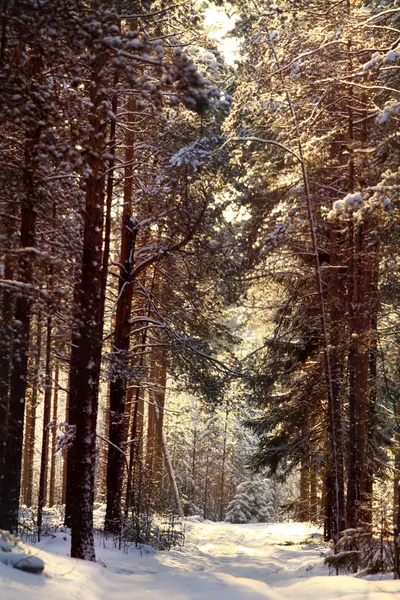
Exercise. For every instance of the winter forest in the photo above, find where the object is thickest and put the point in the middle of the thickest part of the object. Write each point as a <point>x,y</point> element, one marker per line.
<point>199,269</point>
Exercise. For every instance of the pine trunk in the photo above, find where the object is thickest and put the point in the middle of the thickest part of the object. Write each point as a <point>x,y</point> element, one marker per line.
<point>171,476</point>
<point>118,385</point>
<point>359,361</point>
<point>335,426</point>
<point>30,421</point>
<point>86,355</point>
<point>9,502</point>
<point>303,509</point>
<point>121,342</point>
<point>45,431</point>
<point>52,484</point>
<point>159,403</point>
<point>5,356</point>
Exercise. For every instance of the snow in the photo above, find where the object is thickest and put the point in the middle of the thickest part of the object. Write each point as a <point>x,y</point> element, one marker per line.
<point>346,207</point>
<point>219,561</point>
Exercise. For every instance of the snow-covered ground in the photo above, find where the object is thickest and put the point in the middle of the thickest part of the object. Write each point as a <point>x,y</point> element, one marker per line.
<point>219,561</point>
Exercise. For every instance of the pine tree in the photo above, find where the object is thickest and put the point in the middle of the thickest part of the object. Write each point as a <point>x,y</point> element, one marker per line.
<point>253,501</point>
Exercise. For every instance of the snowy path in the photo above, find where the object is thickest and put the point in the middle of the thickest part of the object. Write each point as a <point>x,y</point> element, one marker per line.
<point>219,562</point>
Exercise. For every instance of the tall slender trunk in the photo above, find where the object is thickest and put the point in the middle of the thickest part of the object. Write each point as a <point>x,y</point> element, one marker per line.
<point>313,516</point>
<point>360,282</point>
<point>372,402</point>
<point>71,412</point>
<point>66,461</point>
<point>69,457</point>
<point>206,486</point>
<point>151,419</point>
<point>9,502</point>
<point>135,448</point>
<point>86,355</point>
<point>193,466</point>
<point>136,433</point>
<point>5,356</point>
<point>121,341</point>
<point>120,366</point>
<point>223,463</point>
<point>45,431</point>
<point>30,419</point>
<point>359,362</point>
<point>329,503</point>
<point>303,510</point>
<point>171,475</point>
<point>336,310</point>
<point>159,404</point>
<point>396,479</point>
<point>52,484</point>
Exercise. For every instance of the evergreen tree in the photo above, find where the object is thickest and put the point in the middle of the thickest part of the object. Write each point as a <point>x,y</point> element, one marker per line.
<point>253,501</point>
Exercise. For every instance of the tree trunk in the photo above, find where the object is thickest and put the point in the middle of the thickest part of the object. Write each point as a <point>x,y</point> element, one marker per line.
<point>5,356</point>
<point>9,502</point>
<point>303,509</point>
<point>86,355</point>
<point>71,412</point>
<point>159,403</point>
<point>52,485</point>
<point>121,342</point>
<point>206,484</point>
<point>30,420</point>
<point>45,435</point>
<point>359,360</point>
<point>171,475</point>
<point>223,462</point>
<point>115,463</point>
<point>313,516</point>
<point>329,504</point>
<point>372,404</point>
<point>335,431</point>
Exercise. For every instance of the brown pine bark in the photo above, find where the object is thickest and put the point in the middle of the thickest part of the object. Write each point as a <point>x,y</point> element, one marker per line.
<point>359,361</point>
<point>5,356</point>
<point>313,515</point>
<point>304,508</point>
<point>121,342</point>
<point>52,484</point>
<point>120,366</point>
<point>329,504</point>
<point>135,449</point>
<point>30,421</point>
<point>335,496</point>
<point>222,503</point>
<point>396,479</point>
<point>171,476</point>
<point>86,353</point>
<point>71,412</point>
<point>206,488</point>
<point>45,431</point>
<point>9,502</point>
<point>136,467</point>
<point>159,404</point>
<point>151,419</point>
<point>372,401</point>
